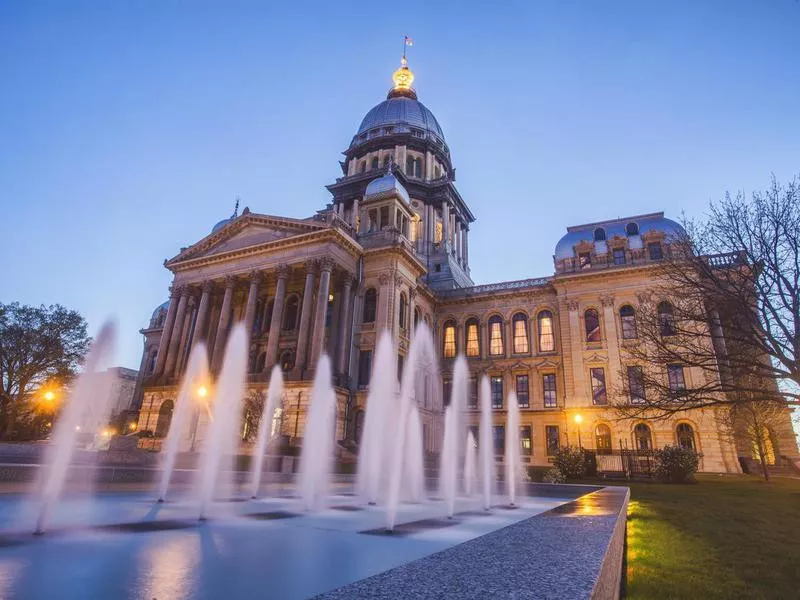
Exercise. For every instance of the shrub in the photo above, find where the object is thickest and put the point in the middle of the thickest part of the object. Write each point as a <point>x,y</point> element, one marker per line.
<point>571,462</point>
<point>590,459</point>
<point>675,464</point>
<point>554,476</point>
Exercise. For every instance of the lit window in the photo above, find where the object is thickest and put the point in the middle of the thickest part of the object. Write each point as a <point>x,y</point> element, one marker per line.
<point>552,439</point>
<point>473,346</point>
<point>526,440</point>
<point>602,436</point>
<point>523,395</point>
<point>591,320</point>
<point>496,386</point>
<point>449,348</point>
<point>547,341</point>
<point>628,318</point>
<point>520,322</point>
<point>549,390</point>
<point>598,377</point>
<point>666,319</point>
<point>636,384</point>
<point>642,437</point>
<point>654,251</point>
<point>685,436</point>
<point>619,256</point>
<point>677,381</point>
<point>496,336</point>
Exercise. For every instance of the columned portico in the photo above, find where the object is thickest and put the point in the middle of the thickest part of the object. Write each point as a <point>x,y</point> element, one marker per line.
<point>306,315</point>
<point>222,325</point>
<point>163,347</point>
<point>282,274</point>
<point>252,296</point>
<point>345,324</point>
<point>176,334</point>
<point>202,313</point>
<point>326,266</point>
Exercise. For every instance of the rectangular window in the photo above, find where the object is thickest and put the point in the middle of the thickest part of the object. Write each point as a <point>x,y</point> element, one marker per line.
<point>547,342</point>
<point>473,345</point>
<point>447,388</point>
<point>496,338</point>
<point>677,381</point>
<point>654,251</point>
<point>364,367</point>
<point>449,350</point>
<point>549,390</point>
<point>523,395</point>
<point>598,377</point>
<point>472,399</point>
<point>636,384</point>
<point>526,440</point>
<point>520,337</point>
<point>619,256</point>
<point>552,439</point>
<point>499,438</point>
<point>496,383</point>
<point>584,260</point>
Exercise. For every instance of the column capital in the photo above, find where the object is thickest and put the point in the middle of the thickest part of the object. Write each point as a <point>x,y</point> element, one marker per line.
<point>208,286</point>
<point>412,293</point>
<point>326,264</point>
<point>573,305</point>
<point>398,280</point>
<point>256,276</point>
<point>607,300</point>
<point>312,266</point>
<point>230,281</point>
<point>384,278</point>
<point>174,290</point>
<point>282,271</point>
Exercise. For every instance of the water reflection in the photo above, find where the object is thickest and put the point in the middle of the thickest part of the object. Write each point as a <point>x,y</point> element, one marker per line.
<point>167,569</point>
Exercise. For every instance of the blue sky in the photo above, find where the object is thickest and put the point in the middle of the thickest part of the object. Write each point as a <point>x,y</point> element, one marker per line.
<point>128,128</point>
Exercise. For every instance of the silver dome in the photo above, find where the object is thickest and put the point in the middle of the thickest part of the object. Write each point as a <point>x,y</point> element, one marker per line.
<point>386,186</point>
<point>221,224</point>
<point>402,114</point>
<point>652,222</point>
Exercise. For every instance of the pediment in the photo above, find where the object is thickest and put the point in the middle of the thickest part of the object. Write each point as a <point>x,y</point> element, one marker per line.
<point>246,231</point>
<point>595,358</point>
<point>547,364</point>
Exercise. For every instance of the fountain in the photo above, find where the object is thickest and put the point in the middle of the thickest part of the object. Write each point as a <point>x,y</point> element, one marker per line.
<point>414,475</point>
<point>224,433</point>
<point>274,394</point>
<point>470,466</point>
<point>313,481</point>
<point>421,359</point>
<point>451,446</point>
<point>374,452</point>
<point>513,459</point>
<point>485,445</point>
<point>196,378</point>
<point>85,408</point>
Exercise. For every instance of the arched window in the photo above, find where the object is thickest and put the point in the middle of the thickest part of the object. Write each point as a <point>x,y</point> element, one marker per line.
<point>472,339</point>
<point>385,161</point>
<point>599,235</point>
<point>520,328</point>
<point>417,316</point>
<point>290,313</point>
<point>591,321</point>
<point>496,345</point>
<point>628,318</point>
<point>374,162</point>
<point>631,229</point>
<point>164,418</point>
<point>402,312</point>
<point>666,319</point>
<point>602,436</point>
<point>418,167</point>
<point>547,341</point>
<point>363,166</point>
<point>358,426</point>
<point>642,437</point>
<point>262,358</point>
<point>685,436</point>
<point>370,305</point>
<point>409,166</point>
<point>449,340</point>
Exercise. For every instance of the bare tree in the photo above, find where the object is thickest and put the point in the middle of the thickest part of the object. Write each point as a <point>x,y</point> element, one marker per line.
<point>721,324</point>
<point>252,413</point>
<point>751,423</point>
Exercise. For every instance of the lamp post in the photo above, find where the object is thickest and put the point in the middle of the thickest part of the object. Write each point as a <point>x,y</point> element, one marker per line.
<point>578,421</point>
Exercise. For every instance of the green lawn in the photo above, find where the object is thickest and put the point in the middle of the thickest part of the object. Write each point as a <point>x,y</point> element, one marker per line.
<point>723,537</point>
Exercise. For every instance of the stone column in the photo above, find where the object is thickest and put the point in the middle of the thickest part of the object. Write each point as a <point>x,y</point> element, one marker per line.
<point>354,216</point>
<point>307,312</point>
<point>576,342</point>
<point>451,239</point>
<point>166,332</point>
<point>282,274</point>
<point>612,343</point>
<point>202,313</point>
<point>382,318</point>
<point>458,243</point>
<point>318,335</point>
<point>252,297</point>
<point>445,225</point>
<point>222,324</point>
<point>177,331</point>
<point>345,321</point>
<point>395,291</point>
<point>412,306</point>
<point>466,247</point>
<point>185,336</point>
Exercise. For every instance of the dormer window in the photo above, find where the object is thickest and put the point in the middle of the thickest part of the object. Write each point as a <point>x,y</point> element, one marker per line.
<point>599,235</point>
<point>619,256</point>
<point>631,229</point>
<point>654,251</point>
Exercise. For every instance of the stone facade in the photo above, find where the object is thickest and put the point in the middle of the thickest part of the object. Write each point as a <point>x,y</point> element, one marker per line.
<point>390,251</point>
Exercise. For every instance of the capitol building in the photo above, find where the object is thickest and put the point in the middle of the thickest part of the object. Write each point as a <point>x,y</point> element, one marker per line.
<point>390,251</point>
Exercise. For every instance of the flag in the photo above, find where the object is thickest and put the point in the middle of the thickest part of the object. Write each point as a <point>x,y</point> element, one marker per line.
<point>409,41</point>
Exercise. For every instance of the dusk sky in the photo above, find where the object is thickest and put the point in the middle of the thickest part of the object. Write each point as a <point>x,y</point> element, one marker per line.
<point>127,129</point>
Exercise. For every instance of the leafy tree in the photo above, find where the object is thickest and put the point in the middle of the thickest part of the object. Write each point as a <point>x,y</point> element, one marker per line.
<point>39,346</point>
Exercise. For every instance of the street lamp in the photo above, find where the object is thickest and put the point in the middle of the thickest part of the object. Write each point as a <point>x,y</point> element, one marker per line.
<point>578,421</point>
<point>202,392</point>
<point>49,396</point>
